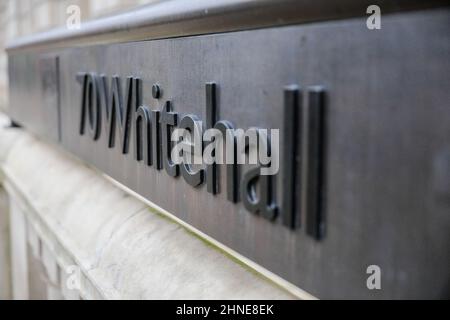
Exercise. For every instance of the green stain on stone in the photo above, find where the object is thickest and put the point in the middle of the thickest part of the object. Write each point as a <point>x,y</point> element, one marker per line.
<point>218,249</point>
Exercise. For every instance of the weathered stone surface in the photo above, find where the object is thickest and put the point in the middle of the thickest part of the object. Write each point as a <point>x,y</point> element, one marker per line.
<point>124,248</point>
<point>5,264</point>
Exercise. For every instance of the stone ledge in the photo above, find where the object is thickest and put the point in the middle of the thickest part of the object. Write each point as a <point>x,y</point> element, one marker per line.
<point>124,248</point>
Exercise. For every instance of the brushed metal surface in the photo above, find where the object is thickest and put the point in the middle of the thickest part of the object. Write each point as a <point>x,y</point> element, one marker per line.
<point>387,121</point>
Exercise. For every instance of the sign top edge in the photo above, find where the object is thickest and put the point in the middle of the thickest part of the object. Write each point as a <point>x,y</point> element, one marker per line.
<point>169,19</point>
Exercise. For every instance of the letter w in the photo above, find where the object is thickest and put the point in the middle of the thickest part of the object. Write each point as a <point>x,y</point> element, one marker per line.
<point>120,113</point>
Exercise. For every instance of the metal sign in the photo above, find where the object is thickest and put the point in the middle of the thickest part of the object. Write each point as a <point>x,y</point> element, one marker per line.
<point>356,149</point>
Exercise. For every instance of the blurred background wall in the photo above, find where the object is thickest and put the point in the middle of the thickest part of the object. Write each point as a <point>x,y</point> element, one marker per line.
<point>24,17</point>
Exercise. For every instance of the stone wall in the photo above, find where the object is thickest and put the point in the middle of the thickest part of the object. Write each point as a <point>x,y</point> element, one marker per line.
<point>76,234</point>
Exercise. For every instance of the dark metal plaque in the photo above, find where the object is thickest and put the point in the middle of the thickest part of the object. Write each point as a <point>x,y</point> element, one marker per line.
<point>364,113</point>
